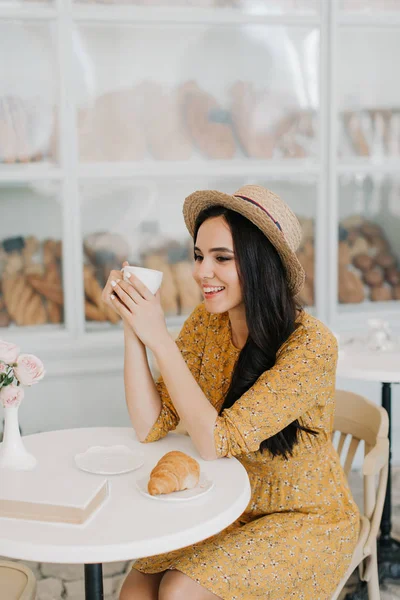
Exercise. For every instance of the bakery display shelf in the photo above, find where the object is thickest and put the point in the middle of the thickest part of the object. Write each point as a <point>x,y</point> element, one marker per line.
<point>369,308</point>
<point>383,164</point>
<point>369,20</point>
<point>19,172</point>
<point>211,168</point>
<point>32,11</point>
<point>189,15</point>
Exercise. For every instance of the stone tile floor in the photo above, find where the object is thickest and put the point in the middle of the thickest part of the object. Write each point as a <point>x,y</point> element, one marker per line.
<point>65,582</point>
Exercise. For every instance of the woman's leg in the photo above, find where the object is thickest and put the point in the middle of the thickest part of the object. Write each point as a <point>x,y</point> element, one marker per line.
<point>178,586</point>
<point>140,585</point>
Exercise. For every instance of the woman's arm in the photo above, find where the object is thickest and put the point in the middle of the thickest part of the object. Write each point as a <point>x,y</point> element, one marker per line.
<point>155,409</point>
<point>197,414</point>
<point>142,398</point>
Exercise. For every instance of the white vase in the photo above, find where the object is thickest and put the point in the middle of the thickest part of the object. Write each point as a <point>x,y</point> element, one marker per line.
<point>13,454</point>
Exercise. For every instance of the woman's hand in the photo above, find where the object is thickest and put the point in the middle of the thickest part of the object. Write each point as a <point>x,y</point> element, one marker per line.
<point>108,289</point>
<point>106,297</point>
<point>140,310</point>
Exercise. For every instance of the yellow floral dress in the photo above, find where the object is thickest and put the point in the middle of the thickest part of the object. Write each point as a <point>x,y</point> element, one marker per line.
<point>296,537</point>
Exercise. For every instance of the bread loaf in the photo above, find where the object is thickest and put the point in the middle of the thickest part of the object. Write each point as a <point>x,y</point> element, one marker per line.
<point>207,123</point>
<point>168,290</point>
<point>256,140</point>
<point>93,293</point>
<point>188,290</point>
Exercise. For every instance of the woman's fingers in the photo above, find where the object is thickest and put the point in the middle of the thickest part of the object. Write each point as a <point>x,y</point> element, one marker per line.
<point>114,275</point>
<point>126,293</point>
<point>140,287</point>
<point>120,307</point>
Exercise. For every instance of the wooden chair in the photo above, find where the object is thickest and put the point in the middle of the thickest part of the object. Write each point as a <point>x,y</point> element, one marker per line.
<point>17,582</point>
<point>359,420</point>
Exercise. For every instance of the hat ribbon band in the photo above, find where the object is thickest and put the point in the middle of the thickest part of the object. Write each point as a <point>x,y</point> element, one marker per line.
<point>262,208</point>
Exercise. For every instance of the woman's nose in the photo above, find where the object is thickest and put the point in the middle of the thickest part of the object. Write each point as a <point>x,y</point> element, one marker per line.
<point>205,270</point>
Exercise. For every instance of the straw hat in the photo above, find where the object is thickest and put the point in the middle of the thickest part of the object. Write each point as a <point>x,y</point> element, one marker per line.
<point>267,211</point>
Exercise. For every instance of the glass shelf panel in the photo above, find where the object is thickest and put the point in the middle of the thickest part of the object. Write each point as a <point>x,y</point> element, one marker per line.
<point>196,104</point>
<point>369,241</point>
<point>142,222</point>
<point>30,255</point>
<point>368,94</point>
<point>28,92</point>
<point>370,6</point>
<point>261,7</point>
<point>16,3</point>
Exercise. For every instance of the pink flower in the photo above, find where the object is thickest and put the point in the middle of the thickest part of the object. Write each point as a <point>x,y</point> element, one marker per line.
<point>29,369</point>
<point>11,395</point>
<point>8,352</point>
<point>3,368</point>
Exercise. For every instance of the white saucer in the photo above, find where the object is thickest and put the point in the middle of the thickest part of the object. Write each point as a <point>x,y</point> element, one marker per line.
<point>109,460</point>
<point>204,486</point>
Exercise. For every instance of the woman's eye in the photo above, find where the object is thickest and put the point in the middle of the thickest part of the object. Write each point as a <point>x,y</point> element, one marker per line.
<point>197,257</point>
<point>223,258</point>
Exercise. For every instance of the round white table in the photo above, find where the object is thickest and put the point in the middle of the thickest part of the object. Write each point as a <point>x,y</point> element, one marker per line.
<point>357,361</point>
<point>127,525</point>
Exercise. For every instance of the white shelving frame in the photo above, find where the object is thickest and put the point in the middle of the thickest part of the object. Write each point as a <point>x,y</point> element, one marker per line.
<point>62,343</point>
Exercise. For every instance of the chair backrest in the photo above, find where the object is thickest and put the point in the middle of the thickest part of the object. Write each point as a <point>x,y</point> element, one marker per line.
<point>360,420</point>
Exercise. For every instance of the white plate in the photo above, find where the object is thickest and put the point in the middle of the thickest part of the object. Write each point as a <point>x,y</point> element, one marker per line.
<point>204,486</point>
<point>109,460</point>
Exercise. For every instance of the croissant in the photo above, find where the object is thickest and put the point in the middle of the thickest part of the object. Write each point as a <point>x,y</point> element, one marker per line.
<point>175,471</point>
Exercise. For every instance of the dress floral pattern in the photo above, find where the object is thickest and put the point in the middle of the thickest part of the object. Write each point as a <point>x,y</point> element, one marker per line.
<point>296,537</point>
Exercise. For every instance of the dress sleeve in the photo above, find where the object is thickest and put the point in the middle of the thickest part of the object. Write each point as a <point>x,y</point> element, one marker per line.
<point>190,341</point>
<point>301,379</point>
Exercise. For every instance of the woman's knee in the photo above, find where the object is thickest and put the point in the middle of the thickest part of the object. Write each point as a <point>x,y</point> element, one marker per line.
<point>140,585</point>
<point>178,586</point>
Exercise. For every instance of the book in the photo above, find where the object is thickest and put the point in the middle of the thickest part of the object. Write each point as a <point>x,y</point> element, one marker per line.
<point>48,495</point>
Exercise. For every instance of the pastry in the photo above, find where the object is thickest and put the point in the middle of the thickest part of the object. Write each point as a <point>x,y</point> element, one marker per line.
<point>23,303</point>
<point>371,230</point>
<point>188,290</point>
<point>351,289</point>
<point>207,123</point>
<point>167,138</point>
<point>93,293</point>
<point>357,136</point>
<point>174,472</point>
<point>385,260</point>
<point>363,262</point>
<point>168,291</point>
<point>378,244</point>
<point>93,313</point>
<point>358,246</point>
<point>250,110</point>
<point>374,277</point>
<point>51,291</point>
<point>381,293</point>
<point>307,296</point>
<point>111,129</point>
<point>344,254</point>
<point>392,276</point>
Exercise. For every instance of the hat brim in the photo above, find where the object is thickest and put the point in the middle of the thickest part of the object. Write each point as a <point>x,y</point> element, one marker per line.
<point>202,199</point>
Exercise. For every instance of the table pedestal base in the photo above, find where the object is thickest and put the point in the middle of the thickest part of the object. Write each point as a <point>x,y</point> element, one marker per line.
<point>388,559</point>
<point>94,582</point>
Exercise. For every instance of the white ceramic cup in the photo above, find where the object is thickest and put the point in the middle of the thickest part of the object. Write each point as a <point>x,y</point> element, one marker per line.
<point>150,277</point>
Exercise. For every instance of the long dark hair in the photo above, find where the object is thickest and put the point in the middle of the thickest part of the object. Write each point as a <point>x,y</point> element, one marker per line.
<point>270,315</point>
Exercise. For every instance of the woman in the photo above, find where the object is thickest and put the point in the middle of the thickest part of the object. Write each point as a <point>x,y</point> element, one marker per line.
<point>251,375</point>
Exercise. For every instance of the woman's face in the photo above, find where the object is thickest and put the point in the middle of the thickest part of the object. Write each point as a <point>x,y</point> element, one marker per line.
<point>215,267</point>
